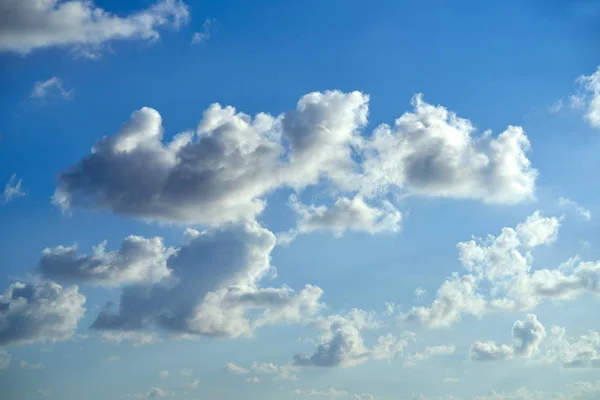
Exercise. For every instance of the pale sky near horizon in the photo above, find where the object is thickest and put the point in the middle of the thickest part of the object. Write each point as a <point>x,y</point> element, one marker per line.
<point>391,200</point>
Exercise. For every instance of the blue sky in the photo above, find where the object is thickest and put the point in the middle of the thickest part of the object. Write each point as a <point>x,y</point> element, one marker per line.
<point>299,200</point>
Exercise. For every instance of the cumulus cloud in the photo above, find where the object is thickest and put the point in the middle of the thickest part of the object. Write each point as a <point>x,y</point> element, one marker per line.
<point>341,342</point>
<point>51,87</point>
<point>429,352</point>
<point>345,214</point>
<point>27,25</point>
<point>224,170</point>
<point>213,289</point>
<point>589,97</point>
<point>235,369</point>
<point>12,190</point>
<point>528,335</point>
<point>433,152</point>
<point>136,338</point>
<point>138,260</point>
<point>42,311</point>
<point>581,352</point>
<point>253,379</point>
<point>501,265</point>
<point>5,359</point>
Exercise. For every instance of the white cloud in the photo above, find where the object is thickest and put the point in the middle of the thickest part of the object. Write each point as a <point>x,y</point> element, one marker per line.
<point>451,380</point>
<point>456,296</point>
<point>582,211</point>
<point>136,338</point>
<point>345,214</point>
<point>207,28</point>
<point>51,87</point>
<point>27,365</point>
<point>213,289</point>
<point>556,106</point>
<point>582,352</point>
<point>192,385</point>
<point>224,171</point>
<point>42,311</point>
<point>157,393</point>
<point>253,379</point>
<point>27,25</point>
<point>429,352</point>
<point>186,372</point>
<point>433,152</point>
<point>164,373</point>
<point>235,369</point>
<point>5,359</point>
<point>589,97</point>
<point>528,335</point>
<point>264,368</point>
<point>341,342</point>
<point>332,392</point>
<point>12,190</point>
<point>112,358</point>
<point>138,260</point>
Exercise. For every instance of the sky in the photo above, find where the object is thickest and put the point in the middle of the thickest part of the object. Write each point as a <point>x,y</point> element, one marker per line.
<point>314,200</point>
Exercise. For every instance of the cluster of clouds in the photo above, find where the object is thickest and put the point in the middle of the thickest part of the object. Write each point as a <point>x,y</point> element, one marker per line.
<point>286,372</point>
<point>499,276</point>
<point>81,26</point>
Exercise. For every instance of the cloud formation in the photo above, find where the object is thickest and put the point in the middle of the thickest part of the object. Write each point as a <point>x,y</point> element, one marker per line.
<point>51,87</point>
<point>138,260</point>
<point>12,190</point>
<point>27,25</point>
<point>42,311</point>
<point>213,289</point>
<point>223,171</point>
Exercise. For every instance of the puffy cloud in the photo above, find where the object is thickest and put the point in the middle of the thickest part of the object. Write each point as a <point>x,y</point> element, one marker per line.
<point>157,393</point>
<point>490,351</point>
<point>235,369</point>
<point>42,311</point>
<point>253,379</point>
<point>224,170</point>
<point>12,190</point>
<point>27,25</point>
<point>582,211</point>
<point>345,214</point>
<point>213,289</point>
<point>5,359</point>
<point>433,152</point>
<point>456,296</point>
<point>429,352</point>
<point>528,335</point>
<point>138,260</point>
<point>341,342</point>
<point>583,352</point>
<point>589,97</point>
<point>264,368</point>
<point>50,87</point>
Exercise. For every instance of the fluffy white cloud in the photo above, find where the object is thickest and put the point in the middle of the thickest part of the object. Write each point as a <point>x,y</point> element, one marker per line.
<point>5,359</point>
<point>433,152</point>
<point>213,289</point>
<point>582,352</point>
<point>27,25</point>
<point>456,296</point>
<point>589,97</point>
<point>224,170</point>
<point>235,369</point>
<point>12,190</point>
<point>341,342</point>
<point>51,87</point>
<point>345,214</point>
<point>490,351</point>
<point>138,260</point>
<point>429,352</point>
<point>528,335</point>
<point>39,312</point>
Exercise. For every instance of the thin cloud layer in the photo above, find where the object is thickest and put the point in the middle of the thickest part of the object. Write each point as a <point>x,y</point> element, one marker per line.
<point>12,190</point>
<point>39,312</point>
<point>28,25</point>
<point>51,87</point>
